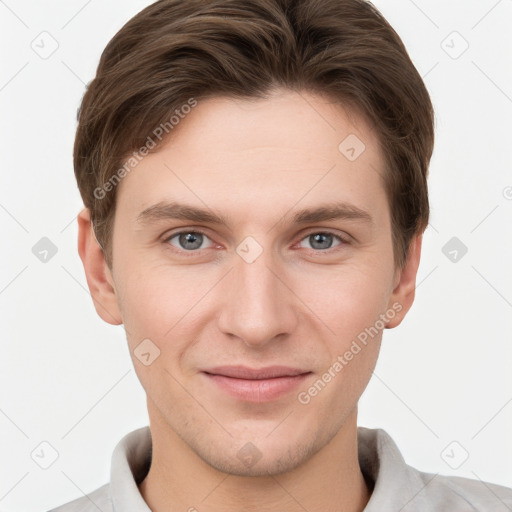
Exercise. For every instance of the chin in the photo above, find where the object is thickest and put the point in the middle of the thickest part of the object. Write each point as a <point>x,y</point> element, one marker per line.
<point>256,458</point>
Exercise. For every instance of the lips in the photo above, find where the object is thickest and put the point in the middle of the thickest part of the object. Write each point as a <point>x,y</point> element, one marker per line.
<point>243,372</point>
<point>256,384</point>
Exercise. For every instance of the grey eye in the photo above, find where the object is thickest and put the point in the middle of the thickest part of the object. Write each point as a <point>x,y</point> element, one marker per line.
<point>188,240</point>
<point>321,241</point>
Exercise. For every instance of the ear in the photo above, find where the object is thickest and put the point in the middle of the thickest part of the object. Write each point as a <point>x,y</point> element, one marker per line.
<point>98,275</point>
<point>405,284</point>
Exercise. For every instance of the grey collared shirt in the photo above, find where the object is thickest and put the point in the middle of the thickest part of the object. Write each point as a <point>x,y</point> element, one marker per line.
<point>397,487</point>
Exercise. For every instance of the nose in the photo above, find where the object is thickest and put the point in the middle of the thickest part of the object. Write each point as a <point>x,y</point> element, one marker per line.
<point>258,304</point>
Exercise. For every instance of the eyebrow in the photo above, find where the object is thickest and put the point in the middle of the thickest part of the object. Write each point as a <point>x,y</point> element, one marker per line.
<point>180,211</point>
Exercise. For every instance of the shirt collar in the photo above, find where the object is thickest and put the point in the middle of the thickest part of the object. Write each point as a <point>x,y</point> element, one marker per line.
<point>397,486</point>
<point>130,464</point>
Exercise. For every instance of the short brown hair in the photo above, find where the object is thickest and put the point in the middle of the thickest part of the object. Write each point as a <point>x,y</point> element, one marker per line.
<point>175,50</point>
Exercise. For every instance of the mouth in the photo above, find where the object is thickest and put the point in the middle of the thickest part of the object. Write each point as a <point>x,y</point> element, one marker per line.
<point>256,385</point>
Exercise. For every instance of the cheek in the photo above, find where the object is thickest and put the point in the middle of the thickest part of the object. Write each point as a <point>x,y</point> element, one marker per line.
<point>168,305</point>
<point>351,304</point>
<point>157,317</point>
<point>347,299</point>
<point>151,302</point>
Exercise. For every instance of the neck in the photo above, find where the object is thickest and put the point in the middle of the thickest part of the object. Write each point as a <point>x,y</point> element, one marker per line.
<point>331,480</point>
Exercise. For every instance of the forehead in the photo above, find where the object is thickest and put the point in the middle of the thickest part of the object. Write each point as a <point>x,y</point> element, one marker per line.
<point>272,153</point>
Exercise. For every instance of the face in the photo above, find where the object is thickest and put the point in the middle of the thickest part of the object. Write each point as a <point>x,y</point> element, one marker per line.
<point>253,271</point>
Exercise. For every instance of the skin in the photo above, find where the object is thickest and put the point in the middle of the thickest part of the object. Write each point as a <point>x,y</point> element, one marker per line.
<point>256,162</point>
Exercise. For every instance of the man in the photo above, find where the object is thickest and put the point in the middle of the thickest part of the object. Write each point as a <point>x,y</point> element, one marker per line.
<point>254,181</point>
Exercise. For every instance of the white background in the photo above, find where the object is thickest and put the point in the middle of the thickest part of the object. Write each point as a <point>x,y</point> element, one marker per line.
<point>67,378</point>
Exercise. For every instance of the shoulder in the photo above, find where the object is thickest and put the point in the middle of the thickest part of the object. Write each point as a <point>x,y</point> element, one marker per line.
<point>399,486</point>
<point>460,494</point>
<point>97,500</point>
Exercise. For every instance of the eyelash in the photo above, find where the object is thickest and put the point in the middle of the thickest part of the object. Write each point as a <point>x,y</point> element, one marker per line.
<point>342,240</point>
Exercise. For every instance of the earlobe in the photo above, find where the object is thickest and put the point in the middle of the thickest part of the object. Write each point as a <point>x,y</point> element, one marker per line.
<point>403,294</point>
<point>99,278</point>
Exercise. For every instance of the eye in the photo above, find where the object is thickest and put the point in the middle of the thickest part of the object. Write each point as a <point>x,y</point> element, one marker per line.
<point>188,240</point>
<point>321,241</point>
